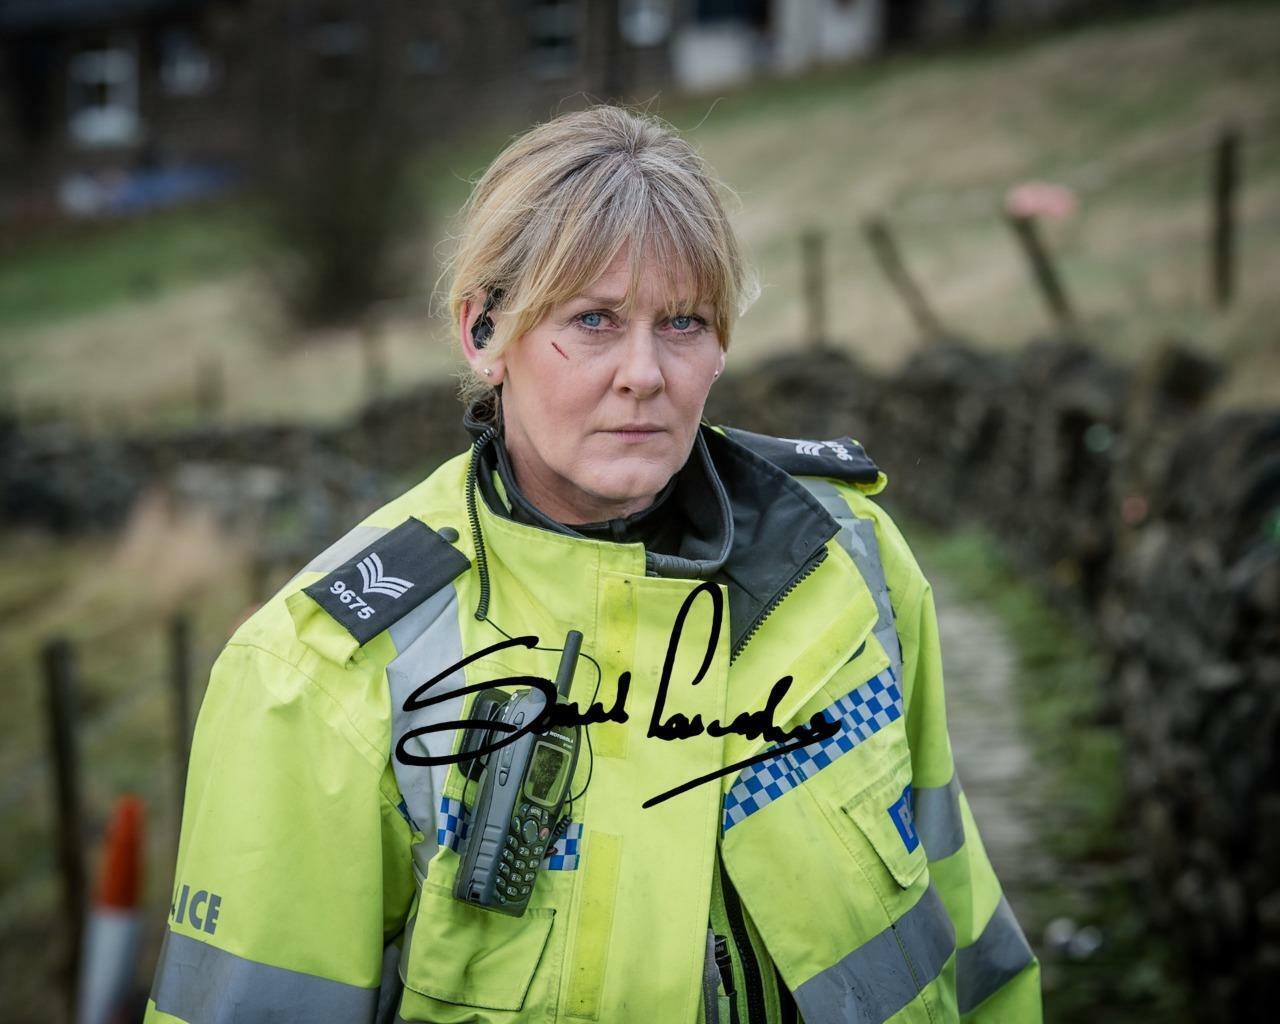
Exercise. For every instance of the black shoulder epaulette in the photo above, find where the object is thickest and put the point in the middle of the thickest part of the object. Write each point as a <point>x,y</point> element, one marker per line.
<point>842,458</point>
<point>388,579</point>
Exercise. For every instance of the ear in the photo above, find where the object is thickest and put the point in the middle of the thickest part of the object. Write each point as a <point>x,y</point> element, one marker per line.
<point>478,358</point>
<point>720,365</point>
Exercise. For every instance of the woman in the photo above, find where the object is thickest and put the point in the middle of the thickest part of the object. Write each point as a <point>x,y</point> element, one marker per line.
<point>746,804</point>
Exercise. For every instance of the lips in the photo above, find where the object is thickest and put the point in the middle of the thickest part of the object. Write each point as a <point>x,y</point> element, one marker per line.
<point>636,433</point>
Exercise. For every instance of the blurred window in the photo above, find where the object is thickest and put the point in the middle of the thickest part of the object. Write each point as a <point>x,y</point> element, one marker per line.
<point>555,32</point>
<point>750,12</point>
<point>186,68</point>
<point>645,22</point>
<point>102,93</point>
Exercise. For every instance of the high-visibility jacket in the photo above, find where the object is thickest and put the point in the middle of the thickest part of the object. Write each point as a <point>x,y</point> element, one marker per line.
<point>844,877</point>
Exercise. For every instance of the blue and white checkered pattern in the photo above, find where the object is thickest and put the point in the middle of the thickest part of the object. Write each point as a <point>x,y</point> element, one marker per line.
<point>860,715</point>
<point>403,808</point>
<point>451,823</point>
<point>562,855</point>
<point>451,830</point>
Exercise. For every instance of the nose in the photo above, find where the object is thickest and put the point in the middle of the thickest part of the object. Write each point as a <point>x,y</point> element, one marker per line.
<point>640,373</point>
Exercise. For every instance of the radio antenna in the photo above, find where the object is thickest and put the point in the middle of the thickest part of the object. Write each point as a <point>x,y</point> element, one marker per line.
<point>568,662</point>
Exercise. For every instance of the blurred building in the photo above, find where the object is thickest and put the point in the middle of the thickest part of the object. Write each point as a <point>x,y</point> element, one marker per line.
<point>103,97</point>
<point>117,105</point>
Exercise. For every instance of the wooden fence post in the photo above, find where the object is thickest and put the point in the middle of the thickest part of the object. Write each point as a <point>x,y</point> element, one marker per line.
<point>1042,270</point>
<point>812,244</point>
<point>1226,182</point>
<point>180,679</point>
<point>58,659</point>
<point>885,250</point>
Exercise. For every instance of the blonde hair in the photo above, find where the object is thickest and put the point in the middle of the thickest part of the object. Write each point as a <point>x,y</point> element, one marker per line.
<point>556,207</point>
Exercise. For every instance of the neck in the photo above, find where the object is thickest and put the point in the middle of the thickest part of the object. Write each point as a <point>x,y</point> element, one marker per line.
<point>560,500</point>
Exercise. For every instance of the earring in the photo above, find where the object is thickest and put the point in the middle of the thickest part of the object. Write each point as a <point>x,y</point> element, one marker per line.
<point>488,372</point>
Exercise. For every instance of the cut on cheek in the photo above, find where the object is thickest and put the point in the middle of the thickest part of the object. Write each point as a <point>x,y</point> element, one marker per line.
<point>559,349</point>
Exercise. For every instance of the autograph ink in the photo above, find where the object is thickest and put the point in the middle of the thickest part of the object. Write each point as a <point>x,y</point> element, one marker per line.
<point>750,724</point>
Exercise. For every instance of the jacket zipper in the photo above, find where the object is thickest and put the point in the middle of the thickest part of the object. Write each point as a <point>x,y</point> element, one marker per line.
<point>756,1012</point>
<point>801,574</point>
<point>724,963</point>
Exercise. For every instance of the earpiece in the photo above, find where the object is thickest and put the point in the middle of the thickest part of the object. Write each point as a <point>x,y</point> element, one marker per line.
<point>482,329</point>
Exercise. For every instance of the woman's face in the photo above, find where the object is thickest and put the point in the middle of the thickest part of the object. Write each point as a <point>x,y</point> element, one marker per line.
<point>601,411</point>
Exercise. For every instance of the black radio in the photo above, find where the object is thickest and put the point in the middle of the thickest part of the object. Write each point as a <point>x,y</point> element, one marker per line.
<point>523,788</point>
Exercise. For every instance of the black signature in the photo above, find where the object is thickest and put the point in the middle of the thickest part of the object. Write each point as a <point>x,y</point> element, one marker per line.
<point>750,724</point>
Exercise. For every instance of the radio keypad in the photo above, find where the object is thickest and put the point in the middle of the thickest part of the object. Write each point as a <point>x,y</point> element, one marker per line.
<point>525,846</point>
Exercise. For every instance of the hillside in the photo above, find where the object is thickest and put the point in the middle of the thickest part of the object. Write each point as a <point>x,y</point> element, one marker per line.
<point>1124,113</point>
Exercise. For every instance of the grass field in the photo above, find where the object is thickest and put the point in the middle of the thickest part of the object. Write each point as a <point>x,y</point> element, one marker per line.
<point>118,327</point>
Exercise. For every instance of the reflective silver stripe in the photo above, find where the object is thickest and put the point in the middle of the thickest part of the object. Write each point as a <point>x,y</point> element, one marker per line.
<point>872,570</point>
<point>429,640</point>
<point>345,547</point>
<point>827,495</point>
<point>858,538</point>
<point>886,972</point>
<point>999,955</point>
<point>711,981</point>
<point>938,820</point>
<point>202,984</point>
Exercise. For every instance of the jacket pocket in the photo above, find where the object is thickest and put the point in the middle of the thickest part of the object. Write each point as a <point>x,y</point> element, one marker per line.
<point>462,954</point>
<point>882,813</point>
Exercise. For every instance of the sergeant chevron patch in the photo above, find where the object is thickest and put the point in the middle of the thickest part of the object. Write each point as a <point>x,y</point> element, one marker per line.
<point>842,458</point>
<point>388,579</point>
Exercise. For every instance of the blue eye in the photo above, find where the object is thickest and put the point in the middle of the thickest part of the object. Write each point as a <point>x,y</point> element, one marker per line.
<point>686,322</point>
<point>592,321</point>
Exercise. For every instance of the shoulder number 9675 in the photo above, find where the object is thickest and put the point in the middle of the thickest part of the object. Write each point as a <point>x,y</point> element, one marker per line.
<point>348,596</point>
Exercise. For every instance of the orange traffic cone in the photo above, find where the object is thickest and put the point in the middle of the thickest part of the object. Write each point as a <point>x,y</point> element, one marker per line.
<point>108,956</point>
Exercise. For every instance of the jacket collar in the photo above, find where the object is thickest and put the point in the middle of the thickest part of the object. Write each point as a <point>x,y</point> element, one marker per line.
<point>745,523</point>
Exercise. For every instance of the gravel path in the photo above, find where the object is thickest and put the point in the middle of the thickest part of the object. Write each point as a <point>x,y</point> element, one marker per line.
<point>995,763</point>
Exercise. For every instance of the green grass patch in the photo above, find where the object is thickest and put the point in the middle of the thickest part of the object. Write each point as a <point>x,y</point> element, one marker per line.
<point>81,269</point>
